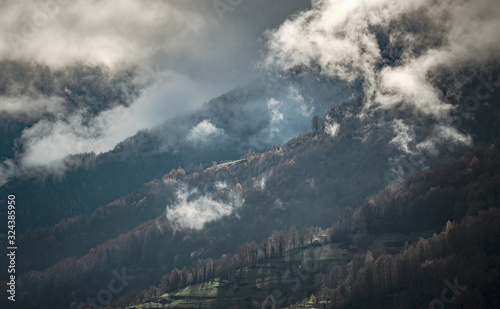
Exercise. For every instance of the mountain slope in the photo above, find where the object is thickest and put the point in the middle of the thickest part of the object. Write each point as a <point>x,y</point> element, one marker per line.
<point>222,129</point>
<point>283,184</point>
<point>350,154</point>
<point>382,270</point>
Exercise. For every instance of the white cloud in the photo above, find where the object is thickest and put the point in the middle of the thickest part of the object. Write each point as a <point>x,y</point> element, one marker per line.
<point>404,135</point>
<point>395,49</point>
<point>408,84</point>
<point>278,204</point>
<point>443,134</point>
<point>272,103</point>
<point>221,185</point>
<point>340,38</point>
<point>99,32</point>
<point>29,108</point>
<point>169,36</point>
<point>50,140</point>
<point>332,128</point>
<point>203,132</point>
<point>203,57</point>
<point>304,108</point>
<point>261,182</point>
<point>275,108</point>
<point>193,212</point>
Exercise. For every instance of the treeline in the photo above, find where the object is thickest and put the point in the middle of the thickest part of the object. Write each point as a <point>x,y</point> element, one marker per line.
<point>249,254</point>
<point>305,182</point>
<point>468,251</point>
<point>153,246</point>
<point>275,185</point>
<point>464,258</point>
<point>75,236</point>
<point>427,199</point>
<point>60,284</point>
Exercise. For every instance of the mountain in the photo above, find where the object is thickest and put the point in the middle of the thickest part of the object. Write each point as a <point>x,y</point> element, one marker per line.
<point>250,154</point>
<point>324,182</point>
<point>253,118</point>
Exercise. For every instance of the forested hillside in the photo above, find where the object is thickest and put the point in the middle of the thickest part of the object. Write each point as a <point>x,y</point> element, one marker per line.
<point>250,154</point>
<point>256,195</point>
<point>461,258</point>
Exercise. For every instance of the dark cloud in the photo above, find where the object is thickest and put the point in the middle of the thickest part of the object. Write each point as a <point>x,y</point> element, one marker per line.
<point>85,75</point>
<point>89,74</point>
<point>397,50</point>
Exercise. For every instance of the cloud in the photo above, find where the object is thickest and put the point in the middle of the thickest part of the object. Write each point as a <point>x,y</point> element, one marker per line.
<point>99,32</point>
<point>8,169</point>
<point>193,211</point>
<point>203,132</point>
<point>306,109</point>
<point>49,141</point>
<point>157,59</point>
<point>393,47</point>
<point>404,135</point>
<point>187,37</point>
<point>401,52</point>
<point>332,128</point>
<point>278,204</point>
<point>221,185</point>
<point>441,135</point>
<point>291,108</point>
<point>27,108</point>
<point>277,117</point>
<point>261,182</point>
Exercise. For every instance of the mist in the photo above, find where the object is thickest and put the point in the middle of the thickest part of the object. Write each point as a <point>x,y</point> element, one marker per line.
<point>83,76</point>
<point>194,210</point>
<point>401,53</point>
<point>246,76</point>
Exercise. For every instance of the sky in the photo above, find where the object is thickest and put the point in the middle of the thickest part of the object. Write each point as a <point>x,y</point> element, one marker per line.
<point>84,75</point>
<point>399,50</point>
<point>157,60</point>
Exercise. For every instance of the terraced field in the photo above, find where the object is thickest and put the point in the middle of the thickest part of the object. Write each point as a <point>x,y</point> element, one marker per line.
<point>282,280</point>
<point>275,279</point>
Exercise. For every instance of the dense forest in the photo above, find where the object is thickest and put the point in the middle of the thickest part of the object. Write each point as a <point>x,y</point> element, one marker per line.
<point>278,201</point>
<point>464,192</point>
<point>314,154</point>
<point>415,274</point>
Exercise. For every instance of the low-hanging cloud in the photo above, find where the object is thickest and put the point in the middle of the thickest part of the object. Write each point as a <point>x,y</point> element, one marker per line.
<point>391,46</point>
<point>409,56</point>
<point>173,55</point>
<point>332,128</point>
<point>194,210</point>
<point>204,132</point>
<point>404,136</point>
<point>26,108</point>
